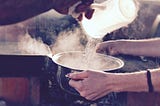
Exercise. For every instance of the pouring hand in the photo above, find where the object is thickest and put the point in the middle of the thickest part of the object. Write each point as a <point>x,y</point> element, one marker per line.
<point>62,7</point>
<point>92,84</point>
<point>85,8</point>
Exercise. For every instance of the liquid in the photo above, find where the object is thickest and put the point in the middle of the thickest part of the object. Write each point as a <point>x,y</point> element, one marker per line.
<point>89,59</point>
<point>90,49</point>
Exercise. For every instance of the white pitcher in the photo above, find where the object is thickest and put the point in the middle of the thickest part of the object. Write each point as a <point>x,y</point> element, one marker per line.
<point>109,15</point>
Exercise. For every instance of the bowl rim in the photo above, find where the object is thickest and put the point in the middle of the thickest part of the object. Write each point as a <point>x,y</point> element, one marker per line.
<point>56,56</point>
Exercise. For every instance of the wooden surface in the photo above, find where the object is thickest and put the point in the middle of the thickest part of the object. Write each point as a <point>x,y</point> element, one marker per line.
<point>20,90</point>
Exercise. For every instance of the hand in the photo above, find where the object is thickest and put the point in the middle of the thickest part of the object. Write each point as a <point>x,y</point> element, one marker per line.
<point>113,47</point>
<point>62,6</point>
<point>92,84</point>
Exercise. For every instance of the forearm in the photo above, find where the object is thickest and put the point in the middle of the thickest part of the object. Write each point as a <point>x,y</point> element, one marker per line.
<point>12,11</point>
<point>148,47</point>
<point>137,82</point>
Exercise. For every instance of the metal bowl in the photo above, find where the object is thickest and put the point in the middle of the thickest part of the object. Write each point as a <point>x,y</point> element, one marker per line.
<point>76,61</point>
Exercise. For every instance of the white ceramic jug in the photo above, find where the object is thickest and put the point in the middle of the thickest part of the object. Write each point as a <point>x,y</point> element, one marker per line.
<point>109,15</point>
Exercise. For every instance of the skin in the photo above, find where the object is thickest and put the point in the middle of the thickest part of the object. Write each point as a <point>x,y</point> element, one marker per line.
<point>84,7</point>
<point>93,85</point>
<point>131,47</point>
<point>13,11</point>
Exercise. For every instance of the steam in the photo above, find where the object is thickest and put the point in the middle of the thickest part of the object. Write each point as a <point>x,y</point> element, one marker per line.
<point>77,61</point>
<point>28,45</point>
<point>76,40</point>
<point>73,40</point>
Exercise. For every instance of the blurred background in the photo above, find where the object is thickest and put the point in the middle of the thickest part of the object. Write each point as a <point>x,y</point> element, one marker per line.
<point>51,33</point>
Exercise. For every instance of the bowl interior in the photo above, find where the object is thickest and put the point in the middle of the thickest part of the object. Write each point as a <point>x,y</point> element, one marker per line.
<point>78,60</point>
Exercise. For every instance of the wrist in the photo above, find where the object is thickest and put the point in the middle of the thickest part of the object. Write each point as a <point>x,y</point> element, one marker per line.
<point>131,82</point>
<point>113,82</point>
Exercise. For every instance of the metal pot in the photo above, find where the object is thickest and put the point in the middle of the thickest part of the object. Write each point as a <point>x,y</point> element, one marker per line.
<point>75,61</point>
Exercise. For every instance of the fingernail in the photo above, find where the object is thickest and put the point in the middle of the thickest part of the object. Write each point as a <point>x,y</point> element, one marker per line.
<point>67,75</point>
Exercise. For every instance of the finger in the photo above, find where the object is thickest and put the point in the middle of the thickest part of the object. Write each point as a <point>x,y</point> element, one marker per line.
<point>100,48</point>
<point>80,17</point>
<point>89,13</point>
<point>76,84</point>
<point>78,75</point>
